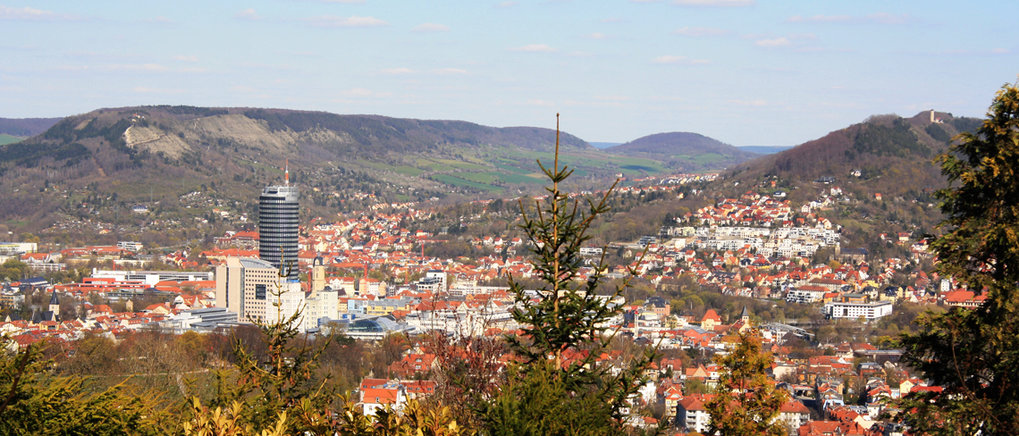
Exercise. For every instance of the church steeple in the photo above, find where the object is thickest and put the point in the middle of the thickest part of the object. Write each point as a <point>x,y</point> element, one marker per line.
<point>54,302</point>
<point>55,305</point>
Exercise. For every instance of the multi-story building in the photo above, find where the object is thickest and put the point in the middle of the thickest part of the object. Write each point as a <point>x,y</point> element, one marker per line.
<point>244,285</point>
<point>277,227</point>
<point>853,310</point>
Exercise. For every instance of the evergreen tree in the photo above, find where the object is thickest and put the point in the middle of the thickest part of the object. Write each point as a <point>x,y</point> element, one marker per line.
<point>557,386</point>
<point>973,354</point>
<point>34,401</point>
<point>746,402</point>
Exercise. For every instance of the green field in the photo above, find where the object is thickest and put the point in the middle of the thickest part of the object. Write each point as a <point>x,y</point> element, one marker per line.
<point>456,181</point>
<point>8,139</point>
<point>520,179</point>
<point>492,169</point>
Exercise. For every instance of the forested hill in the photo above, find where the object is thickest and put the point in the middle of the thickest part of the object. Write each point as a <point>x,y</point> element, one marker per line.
<point>885,165</point>
<point>684,149</point>
<point>103,163</point>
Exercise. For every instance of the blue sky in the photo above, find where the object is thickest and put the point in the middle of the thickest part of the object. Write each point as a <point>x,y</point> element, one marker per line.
<point>746,72</point>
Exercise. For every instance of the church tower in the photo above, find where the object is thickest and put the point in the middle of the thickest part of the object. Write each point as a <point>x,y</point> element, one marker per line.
<point>54,307</point>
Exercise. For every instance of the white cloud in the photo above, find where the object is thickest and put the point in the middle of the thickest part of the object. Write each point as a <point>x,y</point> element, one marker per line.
<point>147,90</point>
<point>978,52</point>
<point>817,49</point>
<point>400,70</point>
<point>145,68</point>
<point>683,60</point>
<point>819,19</point>
<point>247,14</point>
<point>140,67</point>
<point>333,21</point>
<point>534,48</point>
<point>886,18</point>
<point>431,27</point>
<point>616,98</point>
<point>754,103</point>
<point>358,92</point>
<point>700,31</point>
<point>773,42</point>
<point>875,18</point>
<point>31,14</point>
<point>722,3</point>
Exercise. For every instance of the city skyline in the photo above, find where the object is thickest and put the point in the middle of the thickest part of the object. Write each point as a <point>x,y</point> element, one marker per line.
<point>745,72</point>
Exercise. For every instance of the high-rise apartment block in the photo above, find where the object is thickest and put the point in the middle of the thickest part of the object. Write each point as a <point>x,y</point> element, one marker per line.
<point>246,286</point>
<point>277,228</point>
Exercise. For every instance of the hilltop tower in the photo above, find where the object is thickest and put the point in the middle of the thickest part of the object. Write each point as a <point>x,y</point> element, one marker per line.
<point>277,226</point>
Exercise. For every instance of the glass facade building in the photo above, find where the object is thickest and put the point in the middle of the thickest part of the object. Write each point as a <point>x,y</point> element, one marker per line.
<point>277,228</point>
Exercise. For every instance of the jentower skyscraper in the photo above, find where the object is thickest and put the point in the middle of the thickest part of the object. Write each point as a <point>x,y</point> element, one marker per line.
<point>277,226</point>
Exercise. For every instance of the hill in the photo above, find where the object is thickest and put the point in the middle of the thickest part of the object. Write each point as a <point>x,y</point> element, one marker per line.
<point>176,164</point>
<point>689,151</point>
<point>884,168</point>
<point>25,127</point>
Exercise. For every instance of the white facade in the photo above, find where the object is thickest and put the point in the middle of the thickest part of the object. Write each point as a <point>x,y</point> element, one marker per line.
<point>804,296</point>
<point>874,310</point>
<point>693,420</point>
<point>151,278</point>
<point>319,305</point>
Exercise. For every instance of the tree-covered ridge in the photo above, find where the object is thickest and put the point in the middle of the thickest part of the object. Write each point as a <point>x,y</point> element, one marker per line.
<point>154,155</point>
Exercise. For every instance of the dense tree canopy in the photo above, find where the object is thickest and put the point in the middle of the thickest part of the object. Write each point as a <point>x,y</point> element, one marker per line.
<point>745,401</point>
<point>974,354</point>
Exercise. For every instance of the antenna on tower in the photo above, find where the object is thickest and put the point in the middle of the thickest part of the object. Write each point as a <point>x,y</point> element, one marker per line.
<point>286,173</point>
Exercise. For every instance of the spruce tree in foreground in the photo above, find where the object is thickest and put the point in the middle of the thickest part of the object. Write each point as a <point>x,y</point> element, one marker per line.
<point>556,386</point>
<point>974,353</point>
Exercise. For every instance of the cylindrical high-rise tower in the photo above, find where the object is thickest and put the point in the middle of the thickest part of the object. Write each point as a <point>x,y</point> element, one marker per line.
<point>277,228</point>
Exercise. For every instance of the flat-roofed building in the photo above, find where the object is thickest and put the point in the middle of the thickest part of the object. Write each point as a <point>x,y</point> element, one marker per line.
<point>854,310</point>
<point>244,285</point>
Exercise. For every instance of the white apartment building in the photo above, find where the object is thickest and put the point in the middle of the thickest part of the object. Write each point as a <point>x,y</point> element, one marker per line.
<point>849,310</point>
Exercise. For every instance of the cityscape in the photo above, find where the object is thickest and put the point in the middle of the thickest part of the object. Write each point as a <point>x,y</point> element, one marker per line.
<point>686,217</point>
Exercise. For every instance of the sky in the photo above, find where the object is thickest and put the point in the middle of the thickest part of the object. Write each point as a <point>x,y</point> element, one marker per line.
<point>746,72</point>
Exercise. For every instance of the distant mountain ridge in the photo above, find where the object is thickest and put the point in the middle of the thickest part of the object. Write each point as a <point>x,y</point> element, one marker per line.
<point>684,149</point>
<point>154,155</point>
<point>26,126</point>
